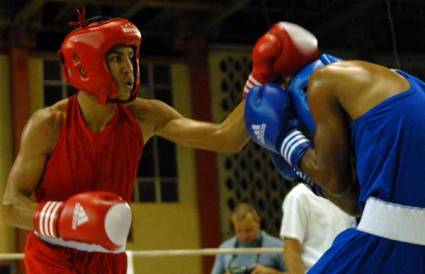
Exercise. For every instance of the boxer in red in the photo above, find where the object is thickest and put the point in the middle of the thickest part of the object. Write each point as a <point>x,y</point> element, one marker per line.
<point>78,158</point>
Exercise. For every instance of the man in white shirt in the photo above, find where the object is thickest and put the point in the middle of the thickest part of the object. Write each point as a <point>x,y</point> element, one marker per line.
<point>309,225</point>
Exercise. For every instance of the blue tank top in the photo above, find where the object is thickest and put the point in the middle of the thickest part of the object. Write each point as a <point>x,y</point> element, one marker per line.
<point>389,144</point>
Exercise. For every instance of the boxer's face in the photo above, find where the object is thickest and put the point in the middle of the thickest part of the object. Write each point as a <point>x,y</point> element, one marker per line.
<point>120,63</point>
<point>247,229</point>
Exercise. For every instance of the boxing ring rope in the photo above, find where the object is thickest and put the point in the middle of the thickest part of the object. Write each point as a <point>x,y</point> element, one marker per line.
<point>131,254</point>
<point>176,252</point>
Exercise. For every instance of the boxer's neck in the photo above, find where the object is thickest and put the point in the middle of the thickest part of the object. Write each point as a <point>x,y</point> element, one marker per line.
<point>95,115</point>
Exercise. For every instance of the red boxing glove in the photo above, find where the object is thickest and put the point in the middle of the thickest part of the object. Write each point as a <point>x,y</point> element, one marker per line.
<point>97,217</point>
<point>281,52</point>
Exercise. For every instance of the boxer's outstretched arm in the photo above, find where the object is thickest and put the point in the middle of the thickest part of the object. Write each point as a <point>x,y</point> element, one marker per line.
<point>37,141</point>
<point>229,135</point>
<point>329,163</point>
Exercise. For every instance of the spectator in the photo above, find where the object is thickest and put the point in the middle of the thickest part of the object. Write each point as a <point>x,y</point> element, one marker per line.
<point>246,223</point>
<point>309,225</point>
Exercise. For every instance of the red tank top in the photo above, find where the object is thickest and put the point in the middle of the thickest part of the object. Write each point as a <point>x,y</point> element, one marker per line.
<point>84,161</point>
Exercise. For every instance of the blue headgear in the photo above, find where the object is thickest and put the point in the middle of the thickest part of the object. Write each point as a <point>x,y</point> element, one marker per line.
<point>297,89</point>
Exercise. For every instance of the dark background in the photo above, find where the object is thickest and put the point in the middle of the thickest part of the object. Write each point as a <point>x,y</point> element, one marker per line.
<point>362,27</point>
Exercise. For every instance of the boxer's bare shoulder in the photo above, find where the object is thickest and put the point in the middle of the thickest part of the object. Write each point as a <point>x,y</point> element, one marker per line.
<point>355,86</point>
<point>44,125</point>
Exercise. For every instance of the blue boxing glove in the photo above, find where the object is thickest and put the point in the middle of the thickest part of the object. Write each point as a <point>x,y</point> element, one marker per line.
<point>269,115</point>
<point>284,169</point>
<point>289,173</point>
<point>298,89</point>
<point>293,147</point>
<point>270,121</point>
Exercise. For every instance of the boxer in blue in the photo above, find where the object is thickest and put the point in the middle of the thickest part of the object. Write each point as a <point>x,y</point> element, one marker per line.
<point>366,154</point>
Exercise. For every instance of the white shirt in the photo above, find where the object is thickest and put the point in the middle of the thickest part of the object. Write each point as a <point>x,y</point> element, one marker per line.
<point>312,220</point>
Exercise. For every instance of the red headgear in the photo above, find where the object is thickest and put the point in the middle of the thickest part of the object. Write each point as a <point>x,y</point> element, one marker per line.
<point>83,53</point>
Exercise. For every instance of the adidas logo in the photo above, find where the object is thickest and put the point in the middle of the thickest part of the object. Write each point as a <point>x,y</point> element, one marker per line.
<point>79,216</point>
<point>259,130</point>
<point>127,28</point>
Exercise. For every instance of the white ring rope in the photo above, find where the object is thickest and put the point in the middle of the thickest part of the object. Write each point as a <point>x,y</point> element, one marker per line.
<point>204,252</point>
<point>11,256</point>
<point>176,252</point>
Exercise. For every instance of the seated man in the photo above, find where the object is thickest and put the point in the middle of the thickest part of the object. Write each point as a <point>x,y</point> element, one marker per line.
<point>248,234</point>
<point>309,225</point>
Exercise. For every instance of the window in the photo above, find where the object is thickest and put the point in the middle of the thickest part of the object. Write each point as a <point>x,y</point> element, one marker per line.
<point>7,269</point>
<point>157,178</point>
<point>157,175</point>
<point>55,87</point>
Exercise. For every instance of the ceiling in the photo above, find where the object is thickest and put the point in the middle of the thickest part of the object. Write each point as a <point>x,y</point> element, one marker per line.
<point>362,26</point>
